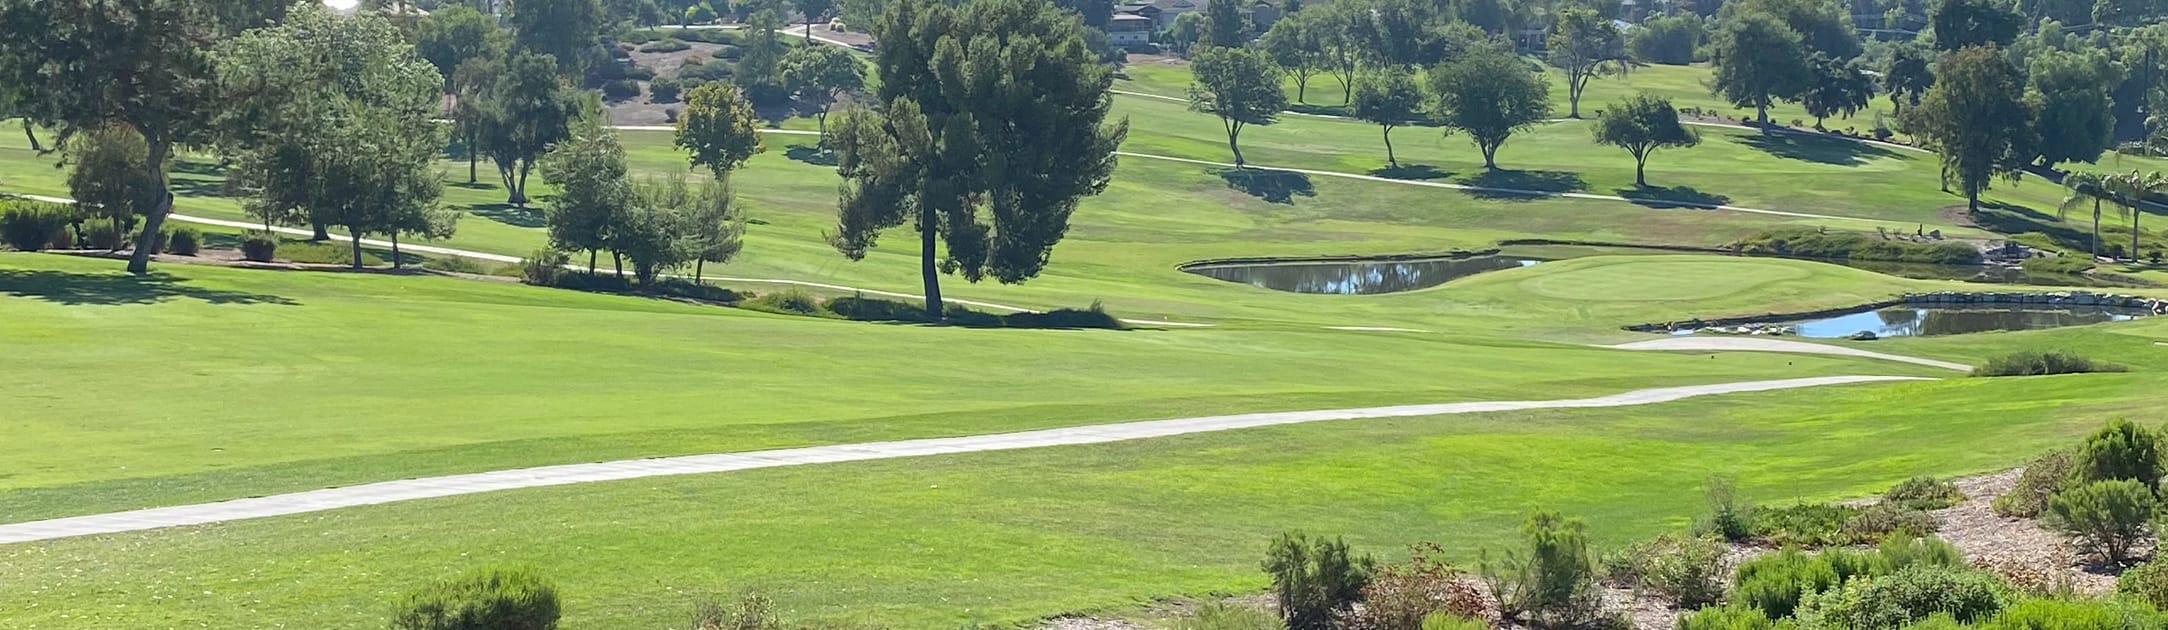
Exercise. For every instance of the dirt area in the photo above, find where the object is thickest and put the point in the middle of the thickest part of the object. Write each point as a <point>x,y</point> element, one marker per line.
<point>642,110</point>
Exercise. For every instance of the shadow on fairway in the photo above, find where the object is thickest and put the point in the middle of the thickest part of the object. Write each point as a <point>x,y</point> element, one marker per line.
<point>509,214</point>
<point>474,185</point>
<point>1537,184</point>
<point>76,289</point>
<point>198,167</point>
<point>1269,185</point>
<point>1672,197</point>
<point>1411,171</point>
<point>811,155</point>
<point>1797,146</point>
<point>190,187</point>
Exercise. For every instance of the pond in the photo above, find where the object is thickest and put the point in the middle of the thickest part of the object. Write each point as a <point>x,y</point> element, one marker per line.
<point>1356,277</point>
<point>1929,321</point>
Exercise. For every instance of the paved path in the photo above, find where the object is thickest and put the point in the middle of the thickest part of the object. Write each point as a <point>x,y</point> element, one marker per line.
<point>1759,344</point>
<point>545,476</point>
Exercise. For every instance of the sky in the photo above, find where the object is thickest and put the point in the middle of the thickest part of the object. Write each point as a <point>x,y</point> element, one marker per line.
<point>341,5</point>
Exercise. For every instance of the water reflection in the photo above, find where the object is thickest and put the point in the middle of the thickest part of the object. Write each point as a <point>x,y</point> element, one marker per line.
<point>1357,278</point>
<point>1915,321</point>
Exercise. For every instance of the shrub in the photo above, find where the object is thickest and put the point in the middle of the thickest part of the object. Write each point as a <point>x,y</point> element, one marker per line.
<point>1448,621</point>
<point>64,239</point>
<point>2034,363</point>
<point>789,302</point>
<point>1555,584</point>
<point>545,267</point>
<point>31,226</point>
<point>456,264</point>
<point>664,90</point>
<point>751,611</point>
<point>621,88</point>
<point>259,246</point>
<point>1913,594</point>
<point>728,51</point>
<point>1805,524</point>
<point>1774,583</point>
<point>1732,617</point>
<point>1688,570</point>
<point>2106,517</point>
<point>2057,264</point>
<point>1817,244</point>
<point>185,240</point>
<point>158,241</point>
<point>1730,517</point>
<point>1315,579</point>
<point>2043,477</point>
<point>2121,450</point>
<point>1923,493</point>
<point>665,45</point>
<point>105,233</point>
<point>2077,614</point>
<point>1094,316</point>
<point>2147,582</point>
<point>1225,616</point>
<point>1880,522</point>
<point>494,599</point>
<point>705,72</point>
<point>640,73</point>
<point>1898,554</point>
<point>1404,596</point>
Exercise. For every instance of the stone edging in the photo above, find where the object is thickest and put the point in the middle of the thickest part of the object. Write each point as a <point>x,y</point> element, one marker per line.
<point>1458,254</point>
<point>2156,306</point>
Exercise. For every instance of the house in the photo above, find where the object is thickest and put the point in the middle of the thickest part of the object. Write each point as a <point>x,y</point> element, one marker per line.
<point>1129,30</point>
<point>1161,12</point>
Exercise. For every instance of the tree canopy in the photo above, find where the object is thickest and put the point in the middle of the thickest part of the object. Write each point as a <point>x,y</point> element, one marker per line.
<point>1489,94</point>
<point>718,128</point>
<point>2072,94</point>
<point>1759,60</point>
<point>1388,98</point>
<point>525,110</point>
<point>1585,45</point>
<point>1975,117</point>
<point>1960,24</point>
<point>457,33</point>
<point>563,29</point>
<point>821,74</point>
<point>1225,25</point>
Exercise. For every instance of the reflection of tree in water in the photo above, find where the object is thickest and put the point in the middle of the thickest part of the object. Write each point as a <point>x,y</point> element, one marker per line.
<point>1898,322</point>
<point>1357,278</point>
<point>1972,320</point>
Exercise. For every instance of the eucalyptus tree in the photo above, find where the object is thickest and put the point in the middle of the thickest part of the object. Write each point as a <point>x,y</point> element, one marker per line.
<point>1240,87</point>
<point>1585,45</point>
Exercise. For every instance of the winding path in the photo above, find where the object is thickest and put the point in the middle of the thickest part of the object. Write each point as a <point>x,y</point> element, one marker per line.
<point>1757,344</point>
<point>546,476</point>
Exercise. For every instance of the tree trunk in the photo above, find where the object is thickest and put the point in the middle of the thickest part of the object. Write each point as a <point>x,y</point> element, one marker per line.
<point>320,233</point>
<point>139,261</point>
<point>1490,157</point>
<point>354,236</point>
<point>1573,100</point>
<point>473,157</point>
<point>1972,202</point>
<point>822,119</point>
<point>32,134</point>
<point>697,264</point>
<point>1302,89</point>
<point>617,263</point>
<point>1761,113</point>
<point>1641,163</point>
<point>590,262</point>
<point>2134,230</point>
<point>1232,133</point>
<point>2096,228</point>
<point>928,271</point>
<point>1389,159</point>
<point>395,249</point>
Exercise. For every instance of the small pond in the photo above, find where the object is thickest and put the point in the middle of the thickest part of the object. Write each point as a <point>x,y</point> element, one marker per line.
<point>1356,277</point>
<point>1928,321</point>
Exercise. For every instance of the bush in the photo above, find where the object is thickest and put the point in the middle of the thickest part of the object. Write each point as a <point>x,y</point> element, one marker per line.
<point>1315,579</point>
<point>185,240</point>
<point>462,264</point>
<point>1923,493</point>
<point>704,72</point>
<point>751,611</point>
<point>158,241</point>
<point>2043,477</point>
<point>31,226</point>
<point>64,239</point>
<point>1405,596</point>
<point>862,308</point>
<point>1805,524</point>
<point>2121,450</point>
<point>2057,264</point>
<point>495,599</point>
<point>1667,40</point>
<point>665,45</point>
<point>2147,582</point>
<point>1774,583</point>
<point>259,246</point>
<point>728,51</point>
<point>789,302</point>
<point>1732,617</point>
<point>1094,316</point>
<point>1448,621</point>
<point>663,90</point>
<point>1225,616</point>
<point>1910,595</point>
<point>2068,614</point>
<point>105,233</point>
<point>1688,570</point>
<point>1818,244</point>
<point>2041,364</point>
<point>1555,584</point>
<point>640,73</point>
<point>545,267</point>
<point>1898,554</point>
<point>2106,517</point>
<point>1730,517</point>
<point>1880,522</point>
<point>621,89</point>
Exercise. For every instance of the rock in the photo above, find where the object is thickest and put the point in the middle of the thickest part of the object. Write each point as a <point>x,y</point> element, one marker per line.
<point>2085,299</point>
<point>1864,335</point>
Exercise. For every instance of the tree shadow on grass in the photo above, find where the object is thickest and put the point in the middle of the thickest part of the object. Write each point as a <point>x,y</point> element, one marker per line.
<point>1270,185</point>
<point>1672,197</point>
<point>475,185</point>
<point>509,214</point>
<point>198,167</point>
<point>76,289</point>
<point>1411,171</point>
<point>2006,219</point>
<point>1800,146</point>
<point>183,187</point>
<point>811,155</point>
<point>1523,185</point>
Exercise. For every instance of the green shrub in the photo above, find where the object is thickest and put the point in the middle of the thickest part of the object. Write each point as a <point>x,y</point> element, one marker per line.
<point>2147,582</point>
<point>1733,617</point>
<point>621,89</point>
<point>1402,596</point>
<point>1449,621</point>
<point>456,264</point>
<point>2069,614</point>
<point>1805,524</point>
<point>2042,478</point>
<point>1094,316</point>
<point>1774,583</point>
<point>31,226</point>
<point>1554,585</point>
<point>2038,363</point>
<point>105,233</point>
<point>158,241</point>
<point>664,90</point>
<point>494,599</point>
<point>1819,244</point>
<point>544,267</point>
<point>639,72</point>
<point>665,45</point>
<point>64,239</point>
<point>1225,616</point>
<point>1923,493</point>
<point>185,240</point>
<point>2106,517</point>
<point>751,611</point>
<point>1688,570</point>
<point>1883,521</point>
<point>2121,450</point>
<point>259,246</point>
<point>1913,594</point>
<point>789,302</point>
<point>1898,554</point>
<point>2057,264</point>
<point>729,52</point>
<point>1730,517</point>
<point>704,72</point>
<point>1315,579</point>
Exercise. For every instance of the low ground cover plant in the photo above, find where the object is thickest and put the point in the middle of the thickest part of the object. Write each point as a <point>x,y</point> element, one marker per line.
<point>1827,245</point>
<point>486,599</point>
<point>2042,363</point>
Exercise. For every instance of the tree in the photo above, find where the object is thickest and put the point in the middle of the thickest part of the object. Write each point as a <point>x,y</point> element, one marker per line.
<point>563,29</point>
<point>1839,88</point>
<point>1907,78</point>
<point>652,231</point>
<point>1184,33</point>
<point>1240,86</point>
<point>2079,188</point>
<point>1333,29</point>
<point>1554,586</point>
<point>1388,98</point>
<point>527,109</point>
<point>1225,25</point>
<point>760,67</point>
<point>330,119</point>
<point>91,64</point>
<point>1586,46</point>
<point>1961,24</point>
<point>1758,60</point>
<point>1667,40</point>
<point>1489,94</point>
<point>456,34</point>
<point>821,74</point>
<point>1975,117</point>
<point>1294,47</point>
<point>715,226</point>
<point>1316,580</point>
<point>110,177</point>
<point>593,192</point>
<point>811,10</point>
<point>718,128</point>
<point>2106,517</point>
<point>1641,125</point>
<point>471,85</point>
<point>2076,114</point>
<point>1823,27</point>
<point>992,109</point>
<point>1096,13</point>
<point>2130,190</point>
